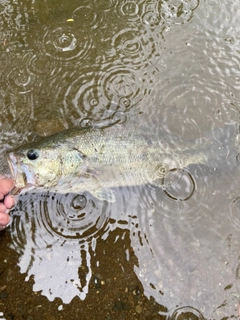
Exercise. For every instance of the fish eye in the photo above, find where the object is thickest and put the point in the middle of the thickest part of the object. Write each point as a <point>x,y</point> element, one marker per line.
<point>32,154</point>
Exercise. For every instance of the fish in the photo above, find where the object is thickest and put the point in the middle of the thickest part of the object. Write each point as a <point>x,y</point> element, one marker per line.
<point>97,160</point>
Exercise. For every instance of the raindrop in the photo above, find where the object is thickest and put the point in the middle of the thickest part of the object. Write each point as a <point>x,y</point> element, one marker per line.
<point>93,102</point>
<point>124,102</point>
<point>161,170</point>
<point>87,123</point>
<point>79,202</point>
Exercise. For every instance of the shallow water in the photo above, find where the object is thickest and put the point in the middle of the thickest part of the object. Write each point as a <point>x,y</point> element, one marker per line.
<point>170,66</point>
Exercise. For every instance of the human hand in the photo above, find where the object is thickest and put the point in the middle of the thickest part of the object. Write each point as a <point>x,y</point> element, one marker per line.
<point>6,201</point>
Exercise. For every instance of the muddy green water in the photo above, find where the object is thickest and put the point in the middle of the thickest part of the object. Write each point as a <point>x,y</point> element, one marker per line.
<point>155,253</point>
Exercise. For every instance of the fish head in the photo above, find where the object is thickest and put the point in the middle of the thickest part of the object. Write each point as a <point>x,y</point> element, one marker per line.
<point>33,165</point>
<point>52,161</point>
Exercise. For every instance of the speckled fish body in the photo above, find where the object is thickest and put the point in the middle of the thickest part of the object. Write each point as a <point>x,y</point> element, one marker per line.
<point>90,159</point>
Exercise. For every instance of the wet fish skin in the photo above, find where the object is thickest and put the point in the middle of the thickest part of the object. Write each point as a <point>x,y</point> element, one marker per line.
<point>95,160</point>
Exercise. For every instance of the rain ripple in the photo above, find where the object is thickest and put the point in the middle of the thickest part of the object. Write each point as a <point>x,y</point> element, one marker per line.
<point>61,217</point>
<point>179,185</point>
<point>40,65</point>
<point>182,190</point>
<point>21,80</point>
<point>99,94</point>
<point>66,43</point>
<point>129,11</point>
<point>87,17</point>
<point>133,47</point>
<point>155,14</point>
<point>148,14</point>
<point>125,86</point>
<point>151,17</point>
<point>82,96</point>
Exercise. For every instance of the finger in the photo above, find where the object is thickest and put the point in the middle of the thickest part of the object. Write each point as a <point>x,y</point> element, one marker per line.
<point>5,186</point>
<point>9,201</point>
<point>2,208</point>
<point>4,219</point>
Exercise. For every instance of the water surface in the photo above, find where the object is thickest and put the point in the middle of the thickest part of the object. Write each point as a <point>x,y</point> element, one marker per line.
<point>155,253</point>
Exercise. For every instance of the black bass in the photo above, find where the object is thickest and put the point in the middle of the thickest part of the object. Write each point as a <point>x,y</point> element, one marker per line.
<point>95,160</point>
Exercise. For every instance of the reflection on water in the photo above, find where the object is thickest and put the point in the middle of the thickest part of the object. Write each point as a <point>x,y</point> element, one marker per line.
<point>64,230</point>
<point>169,66</point>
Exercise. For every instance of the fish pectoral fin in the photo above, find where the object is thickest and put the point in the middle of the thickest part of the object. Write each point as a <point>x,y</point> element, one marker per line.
<point>104,194</point>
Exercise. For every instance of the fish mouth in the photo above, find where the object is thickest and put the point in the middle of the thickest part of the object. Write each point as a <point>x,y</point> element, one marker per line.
<point>22,176</point>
